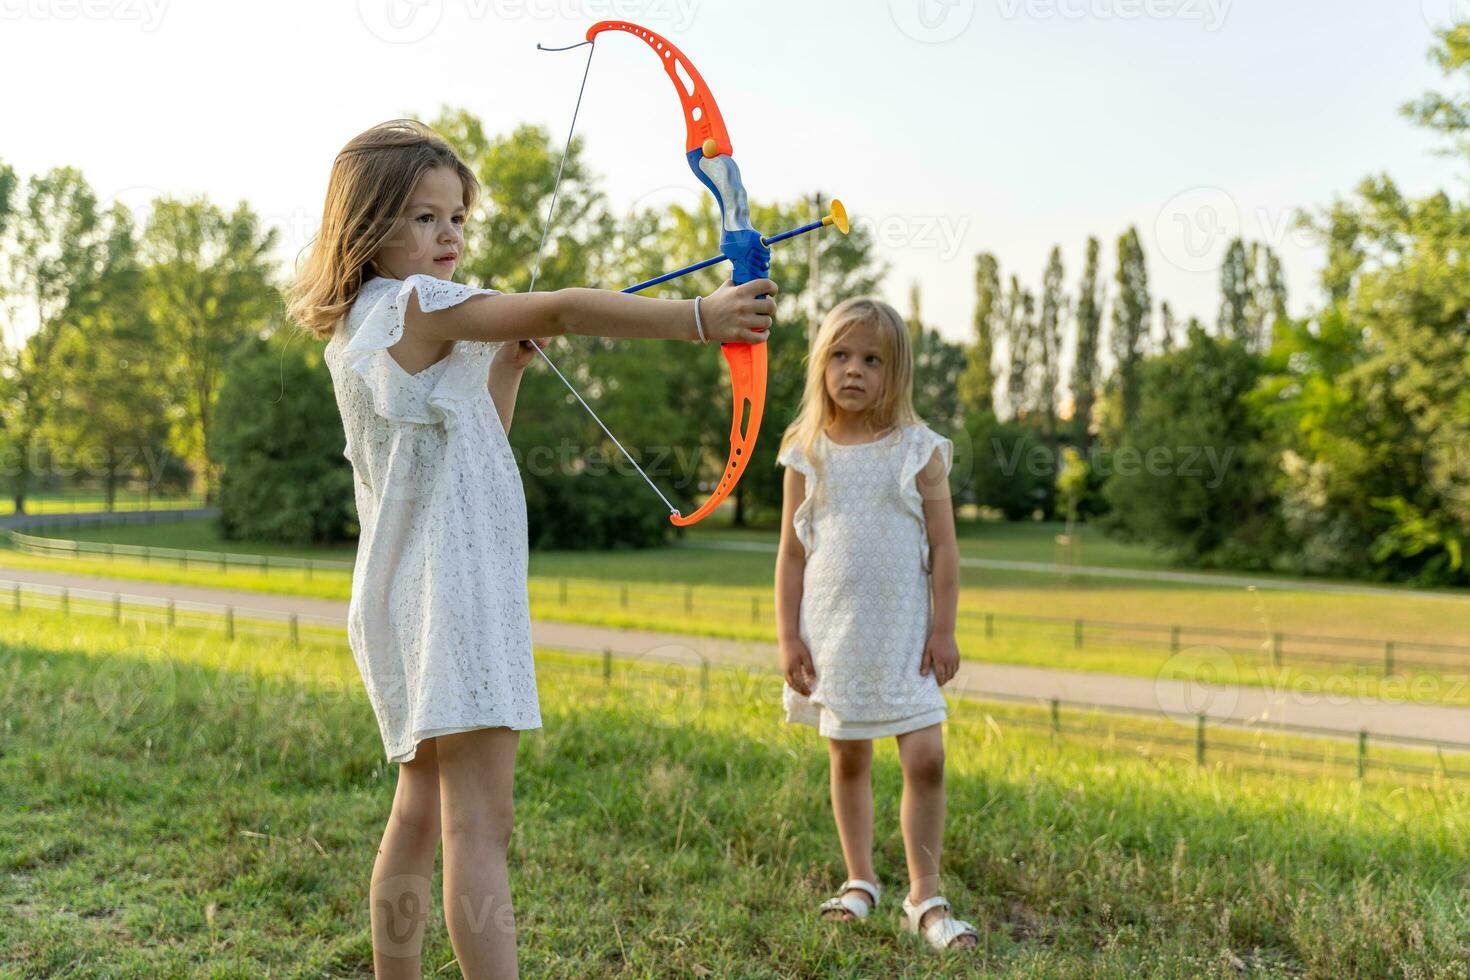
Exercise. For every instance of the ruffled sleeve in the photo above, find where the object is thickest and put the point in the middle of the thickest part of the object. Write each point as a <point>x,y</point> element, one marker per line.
<point>918,447</point>
<point>397,395</point>
<point>793,458</point>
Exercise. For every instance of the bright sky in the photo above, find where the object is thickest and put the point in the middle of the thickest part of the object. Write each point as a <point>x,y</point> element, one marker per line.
<point>948,126</point>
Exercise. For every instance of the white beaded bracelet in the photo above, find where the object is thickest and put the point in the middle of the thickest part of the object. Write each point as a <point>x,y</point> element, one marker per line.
<point>698,322</point>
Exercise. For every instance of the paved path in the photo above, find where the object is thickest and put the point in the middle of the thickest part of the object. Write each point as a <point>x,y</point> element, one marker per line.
<point>1332,713</point>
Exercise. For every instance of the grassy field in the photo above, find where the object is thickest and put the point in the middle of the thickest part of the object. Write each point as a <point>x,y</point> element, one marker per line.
<point>87,501</point>
<point>187,807</point>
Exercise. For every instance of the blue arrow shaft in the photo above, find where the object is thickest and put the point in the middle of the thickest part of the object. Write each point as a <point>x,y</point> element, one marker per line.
<point>714,259</point>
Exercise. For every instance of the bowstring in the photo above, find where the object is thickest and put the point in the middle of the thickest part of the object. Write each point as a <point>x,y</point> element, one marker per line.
<point>536,271</point>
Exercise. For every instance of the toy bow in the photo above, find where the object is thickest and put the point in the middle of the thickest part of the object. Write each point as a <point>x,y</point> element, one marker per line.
<point>710,155</point>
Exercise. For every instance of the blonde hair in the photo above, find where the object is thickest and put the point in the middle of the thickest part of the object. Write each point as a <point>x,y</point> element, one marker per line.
<point>371,180</point>
<point>895,406</point>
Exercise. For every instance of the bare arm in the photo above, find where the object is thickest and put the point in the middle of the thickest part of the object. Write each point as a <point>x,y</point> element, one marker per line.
<point>790,557</point>
<point>944,552</point>
<point>730,314</point>
<point>796,661</point>
<point>941,652</point>
<point>505,381</point>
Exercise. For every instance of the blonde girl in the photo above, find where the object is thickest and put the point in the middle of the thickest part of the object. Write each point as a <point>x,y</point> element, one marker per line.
<point>426,372</point>
<point>867,548</point>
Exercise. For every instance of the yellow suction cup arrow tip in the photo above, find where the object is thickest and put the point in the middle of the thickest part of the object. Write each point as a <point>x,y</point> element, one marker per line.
<point>838,216</point>
<point>710,148</point>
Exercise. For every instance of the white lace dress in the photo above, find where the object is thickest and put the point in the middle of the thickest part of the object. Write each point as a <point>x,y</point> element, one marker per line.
<point>439,620</point>
<point>865,604</point>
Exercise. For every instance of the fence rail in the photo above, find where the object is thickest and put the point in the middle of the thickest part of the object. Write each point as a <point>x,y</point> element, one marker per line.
<point>1387,655</point>
<point>298,628</point>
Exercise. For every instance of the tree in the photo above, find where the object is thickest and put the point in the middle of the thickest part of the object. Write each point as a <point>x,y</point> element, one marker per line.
<point>1131,314</point>
<point>938,365</point>
<point>1188,473</point>
<point>1054,312</point>
<point>1020,330</point>
<point>1167,328</point>
<point>108,405</point>
<point>1235,294</point>
<point>1085,364</point>
<point>977,384</point>
<point>283,475</point>
<point>209,287</point>
<point>60,257</point>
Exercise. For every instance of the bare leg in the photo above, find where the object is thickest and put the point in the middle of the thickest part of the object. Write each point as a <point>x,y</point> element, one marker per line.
<point>476,782</point>
<point>921,814</point>
<point>399,897</point>
<point>852,809</point>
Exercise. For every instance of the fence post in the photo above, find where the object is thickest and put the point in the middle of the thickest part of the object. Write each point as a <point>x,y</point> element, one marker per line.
<point>755,608</point>
<point>222,562</point>
<point>1056,718</point>
<point>562,592</point>
<point>1388,658</point>
<point>990,626</point>
<point>295,629</point>
<point>1276,649</point>
<point>1077,634</point>
<point>1362,752</point>
<point>606,666</point>
<point>229,622</point>
<point>688,600</point>
<point>117,607</point>
<point>310,563</point>
<point>17,597</point>
<point>623,595</point>
<point>1199,739</point>
<point>704,676</point>
<point>65,601</point>
<point>170,614</point>
<point>147,555</point>
<point>1173,639</point>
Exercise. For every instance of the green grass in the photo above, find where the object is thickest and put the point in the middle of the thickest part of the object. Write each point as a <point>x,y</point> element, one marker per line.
<point>185,807</point>
<point>88,501</point>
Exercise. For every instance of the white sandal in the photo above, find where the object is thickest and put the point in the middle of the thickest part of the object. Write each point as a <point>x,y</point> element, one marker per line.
<point>851,903</point>
<point>942,931</point>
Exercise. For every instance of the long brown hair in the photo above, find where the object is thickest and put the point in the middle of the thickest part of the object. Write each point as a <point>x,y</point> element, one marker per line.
<point>371,180</point>
<point>896,405</point>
